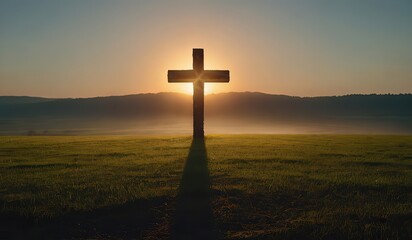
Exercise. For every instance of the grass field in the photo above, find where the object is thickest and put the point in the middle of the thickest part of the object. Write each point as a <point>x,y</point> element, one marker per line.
<point>228,186</point>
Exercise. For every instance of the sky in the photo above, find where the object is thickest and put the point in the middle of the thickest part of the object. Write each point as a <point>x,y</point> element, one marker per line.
<point>77,48</point>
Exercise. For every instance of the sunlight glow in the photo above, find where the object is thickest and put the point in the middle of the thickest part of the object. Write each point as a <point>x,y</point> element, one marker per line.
<point>187,88</point>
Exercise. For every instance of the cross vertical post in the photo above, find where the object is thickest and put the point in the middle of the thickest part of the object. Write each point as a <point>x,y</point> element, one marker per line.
<point>198,76</point>
<point>198,95</point>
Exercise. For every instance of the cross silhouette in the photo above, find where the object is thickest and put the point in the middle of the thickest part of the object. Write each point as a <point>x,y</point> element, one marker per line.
<point>198,76</point>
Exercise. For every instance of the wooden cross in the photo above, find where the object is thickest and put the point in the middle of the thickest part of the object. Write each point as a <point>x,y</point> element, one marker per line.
<point>198,76</point>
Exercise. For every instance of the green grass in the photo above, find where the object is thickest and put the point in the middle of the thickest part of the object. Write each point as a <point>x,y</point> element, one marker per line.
<point>261,186</point>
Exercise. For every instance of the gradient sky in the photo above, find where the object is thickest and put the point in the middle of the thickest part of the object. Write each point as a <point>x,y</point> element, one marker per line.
<point>306,48</point>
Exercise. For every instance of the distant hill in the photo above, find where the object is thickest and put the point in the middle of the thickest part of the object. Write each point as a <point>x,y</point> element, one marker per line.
<point>9,100</point>
<point>130,106</point>
<point>355,113</point>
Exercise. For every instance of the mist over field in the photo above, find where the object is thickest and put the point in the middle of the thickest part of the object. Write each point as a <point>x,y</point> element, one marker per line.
<point>171,113</point>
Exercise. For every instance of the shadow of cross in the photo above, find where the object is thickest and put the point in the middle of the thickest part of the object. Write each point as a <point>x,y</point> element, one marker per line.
<point>198,76</point>
<point>193,218</point>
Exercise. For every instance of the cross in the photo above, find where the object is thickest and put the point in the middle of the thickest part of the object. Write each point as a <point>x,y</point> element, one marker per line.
<point>198,76</point>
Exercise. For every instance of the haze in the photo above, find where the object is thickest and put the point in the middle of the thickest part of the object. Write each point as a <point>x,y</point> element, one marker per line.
<point>306,48</point>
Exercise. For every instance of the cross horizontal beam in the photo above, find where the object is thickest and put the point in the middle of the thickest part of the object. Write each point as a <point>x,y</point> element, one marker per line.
<point>215,76</point>
<point>181,75</point>
<point>191,75</point>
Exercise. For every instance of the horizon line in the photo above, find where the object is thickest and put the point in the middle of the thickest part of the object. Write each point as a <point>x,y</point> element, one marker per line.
<point>181,93</point>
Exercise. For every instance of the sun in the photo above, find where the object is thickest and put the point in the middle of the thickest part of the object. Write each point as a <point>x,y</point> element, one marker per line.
<point>187,88</point>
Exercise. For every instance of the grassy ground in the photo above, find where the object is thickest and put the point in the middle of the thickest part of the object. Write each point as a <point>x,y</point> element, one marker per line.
<point>229,186</point>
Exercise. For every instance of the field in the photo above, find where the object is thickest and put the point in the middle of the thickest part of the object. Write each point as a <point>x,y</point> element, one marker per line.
<point>228,186</point>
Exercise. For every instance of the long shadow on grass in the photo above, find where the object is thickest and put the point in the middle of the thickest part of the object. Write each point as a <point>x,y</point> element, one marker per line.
<point>194,216</point>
